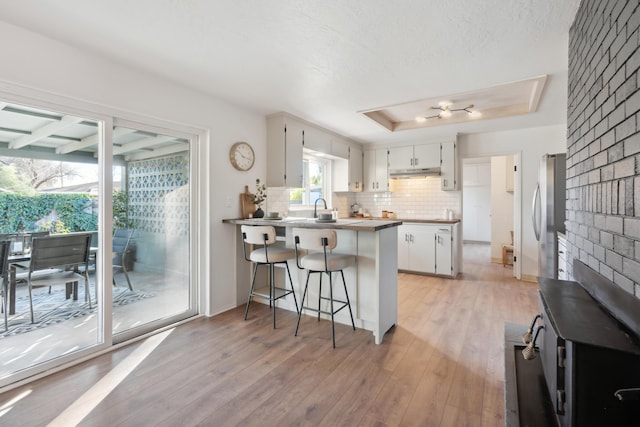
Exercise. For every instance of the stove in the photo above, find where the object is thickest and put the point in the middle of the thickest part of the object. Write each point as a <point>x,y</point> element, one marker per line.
<point>583,354</point>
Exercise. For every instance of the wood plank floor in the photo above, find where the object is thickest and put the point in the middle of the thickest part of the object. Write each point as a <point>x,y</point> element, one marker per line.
<point>442,365</point>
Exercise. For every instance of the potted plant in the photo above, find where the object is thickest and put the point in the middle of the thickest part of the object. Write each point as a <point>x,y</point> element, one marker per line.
<point>259,198</point>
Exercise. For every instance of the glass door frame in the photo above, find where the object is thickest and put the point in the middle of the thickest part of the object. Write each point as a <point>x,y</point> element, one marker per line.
<point>193,215</point>
<point>198,229</point>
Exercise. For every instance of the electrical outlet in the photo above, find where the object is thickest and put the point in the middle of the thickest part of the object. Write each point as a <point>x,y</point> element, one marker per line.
<point>228,202</point>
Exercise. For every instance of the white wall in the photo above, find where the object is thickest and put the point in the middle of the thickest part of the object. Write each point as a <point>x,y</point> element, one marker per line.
<point>501,208</point>
<point>531,143</point>
<point>91,82</point>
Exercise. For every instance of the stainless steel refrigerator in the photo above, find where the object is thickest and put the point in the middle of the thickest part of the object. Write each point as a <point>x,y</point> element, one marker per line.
<point>548,211</point>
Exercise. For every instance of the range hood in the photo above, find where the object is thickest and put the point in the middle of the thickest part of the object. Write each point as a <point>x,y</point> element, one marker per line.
<point>413,173</point>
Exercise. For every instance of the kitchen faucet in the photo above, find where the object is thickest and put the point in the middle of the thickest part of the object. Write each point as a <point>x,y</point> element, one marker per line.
<point>315,206</point>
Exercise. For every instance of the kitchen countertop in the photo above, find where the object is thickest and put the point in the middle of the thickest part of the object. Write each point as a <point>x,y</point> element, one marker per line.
<point>356,224</point>
<point>414,220</point>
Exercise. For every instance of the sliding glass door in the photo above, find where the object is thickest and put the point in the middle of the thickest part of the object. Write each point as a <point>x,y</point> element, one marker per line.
<point>136,205</point>
<point>151,240</point>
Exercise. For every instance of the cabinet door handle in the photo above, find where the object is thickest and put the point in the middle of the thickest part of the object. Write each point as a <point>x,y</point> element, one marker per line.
<point>406,237</point>
<point>415,161</point>
<point>411,161</point>
<point>411,238</point>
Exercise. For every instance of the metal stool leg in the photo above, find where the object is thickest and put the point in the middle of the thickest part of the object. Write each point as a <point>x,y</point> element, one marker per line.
<point>272,293</point>
<point>304,294</point>
<point>333,329</point>
<point>253,283</point>
<point>292,291</point>
<point>320,297</point>
<point>348,302</point>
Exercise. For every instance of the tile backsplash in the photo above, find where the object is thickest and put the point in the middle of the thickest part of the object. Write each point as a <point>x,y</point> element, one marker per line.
<point>415,198</point>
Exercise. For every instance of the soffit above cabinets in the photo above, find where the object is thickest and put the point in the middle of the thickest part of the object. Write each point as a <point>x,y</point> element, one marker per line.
<point>510,99</point>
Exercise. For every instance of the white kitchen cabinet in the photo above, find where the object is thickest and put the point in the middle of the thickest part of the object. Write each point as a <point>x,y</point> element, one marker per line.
<point>448,166</point>
<point>429,248</point>
<point>347,170</point>
<point>414,157</point>
<point>355,168</point>
<point>284,151</point>
<point>426,156</point>
<point>401,158</point>
<point>316,140</point>
<point>444,255</point>
<point>376,172</point>
<point>416,248</point>
<point>339,147</point>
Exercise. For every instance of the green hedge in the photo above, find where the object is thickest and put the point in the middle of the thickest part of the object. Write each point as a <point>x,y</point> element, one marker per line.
<point>21,213</point>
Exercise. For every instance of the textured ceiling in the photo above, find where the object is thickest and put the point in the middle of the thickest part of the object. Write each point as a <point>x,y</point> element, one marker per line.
<point>326,60</point>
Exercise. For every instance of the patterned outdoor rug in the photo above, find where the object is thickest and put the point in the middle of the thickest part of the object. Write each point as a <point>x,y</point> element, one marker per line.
<point>53,308</point>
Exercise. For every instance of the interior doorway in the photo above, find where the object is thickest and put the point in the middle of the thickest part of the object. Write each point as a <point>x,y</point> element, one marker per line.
<point>491,206</point>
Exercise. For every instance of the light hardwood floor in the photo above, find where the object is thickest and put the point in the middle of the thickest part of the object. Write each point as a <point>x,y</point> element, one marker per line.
<point>442,365</point>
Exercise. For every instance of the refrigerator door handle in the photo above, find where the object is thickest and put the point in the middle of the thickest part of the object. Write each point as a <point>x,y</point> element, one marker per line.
<point>535,219</point>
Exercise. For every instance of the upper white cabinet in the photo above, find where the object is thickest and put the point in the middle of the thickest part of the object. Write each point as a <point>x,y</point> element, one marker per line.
<point>414,157</point>
<point>401,158</point>
<point>376,170</point>
<point>316,140</point>
<point>448,166</point>
<point>339,147</point>
<point>287,139</point>
<point>355,168</point>
<point>284,151</point>
<point>347,166</point>
<point>426,156</point>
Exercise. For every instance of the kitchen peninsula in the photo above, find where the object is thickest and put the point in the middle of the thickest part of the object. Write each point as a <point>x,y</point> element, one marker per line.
<point>373,282</point>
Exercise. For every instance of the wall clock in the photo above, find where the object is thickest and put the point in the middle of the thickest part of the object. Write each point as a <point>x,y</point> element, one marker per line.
<point>242,156</point>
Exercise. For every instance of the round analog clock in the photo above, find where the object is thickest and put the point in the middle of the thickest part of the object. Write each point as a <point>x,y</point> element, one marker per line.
<point>242,156</point>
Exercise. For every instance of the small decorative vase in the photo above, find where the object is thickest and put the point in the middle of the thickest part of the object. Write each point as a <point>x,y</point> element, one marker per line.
<point>259,213</point>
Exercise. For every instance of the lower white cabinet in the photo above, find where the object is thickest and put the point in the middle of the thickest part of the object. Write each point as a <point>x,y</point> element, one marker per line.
<point>428,248</point>
<point>416,248</point>
<point>444,253</point>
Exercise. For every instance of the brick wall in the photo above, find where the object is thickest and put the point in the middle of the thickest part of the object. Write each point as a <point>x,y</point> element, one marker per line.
<point>603,147</point>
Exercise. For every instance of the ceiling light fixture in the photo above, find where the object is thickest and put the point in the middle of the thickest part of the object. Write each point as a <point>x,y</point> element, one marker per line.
<point>447,111</point>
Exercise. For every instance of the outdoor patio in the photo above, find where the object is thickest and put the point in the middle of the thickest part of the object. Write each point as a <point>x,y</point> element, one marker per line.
<point>64,325</point>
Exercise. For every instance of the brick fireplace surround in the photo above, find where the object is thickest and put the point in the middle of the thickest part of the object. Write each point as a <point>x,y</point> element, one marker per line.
<point>603,140</point>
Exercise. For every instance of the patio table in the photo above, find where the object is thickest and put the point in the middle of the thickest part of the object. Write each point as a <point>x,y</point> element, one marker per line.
<point>21,261</point>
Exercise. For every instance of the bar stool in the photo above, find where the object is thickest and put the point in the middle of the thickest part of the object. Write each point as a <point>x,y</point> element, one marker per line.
<point>322,260</point>
<point>266,235</point>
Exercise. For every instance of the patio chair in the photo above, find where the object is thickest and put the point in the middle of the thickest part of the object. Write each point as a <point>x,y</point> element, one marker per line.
<point>56,260</point>
<point>121,251</point>
<point>4,258</point>
<point>20,243</point>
